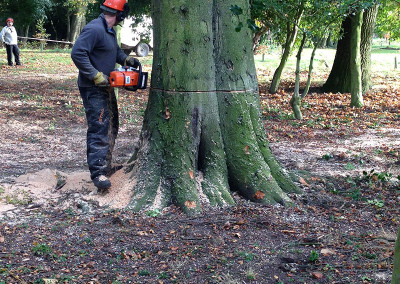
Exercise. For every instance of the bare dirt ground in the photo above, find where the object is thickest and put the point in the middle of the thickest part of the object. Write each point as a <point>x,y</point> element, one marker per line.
<point>55,228</point>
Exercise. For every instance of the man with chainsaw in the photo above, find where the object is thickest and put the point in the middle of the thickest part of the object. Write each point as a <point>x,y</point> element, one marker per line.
<point>95,54</point>
<point>8,36</point>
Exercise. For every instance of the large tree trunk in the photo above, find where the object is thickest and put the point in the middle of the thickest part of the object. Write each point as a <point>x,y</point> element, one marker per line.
<point>202,135</point>
<point>339,78</point>
<point>367,32</point>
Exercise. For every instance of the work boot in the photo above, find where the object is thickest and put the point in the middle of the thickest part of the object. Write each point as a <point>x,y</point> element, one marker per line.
<point>102,183</point>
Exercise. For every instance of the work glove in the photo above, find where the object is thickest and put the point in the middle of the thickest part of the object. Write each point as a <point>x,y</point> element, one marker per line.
<point>132,61</point>
<point>101,80</point>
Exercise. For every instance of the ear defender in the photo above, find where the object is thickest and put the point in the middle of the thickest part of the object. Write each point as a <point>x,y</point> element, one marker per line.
<point>121,15</point>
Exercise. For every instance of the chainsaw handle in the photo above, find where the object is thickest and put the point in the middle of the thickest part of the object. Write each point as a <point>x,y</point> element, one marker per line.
<point>126,67</point>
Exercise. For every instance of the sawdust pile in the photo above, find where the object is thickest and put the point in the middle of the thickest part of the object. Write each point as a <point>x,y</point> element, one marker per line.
<point>51,188</point>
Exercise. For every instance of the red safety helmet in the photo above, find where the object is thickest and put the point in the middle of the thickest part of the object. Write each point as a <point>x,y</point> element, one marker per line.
<point>10,20</point>
<point>114,5</point>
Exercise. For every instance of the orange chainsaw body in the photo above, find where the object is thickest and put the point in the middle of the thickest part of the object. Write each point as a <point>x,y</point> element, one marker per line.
<point>124,78</point>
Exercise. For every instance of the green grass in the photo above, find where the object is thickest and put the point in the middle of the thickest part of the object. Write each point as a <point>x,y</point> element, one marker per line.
<point>383,56</point>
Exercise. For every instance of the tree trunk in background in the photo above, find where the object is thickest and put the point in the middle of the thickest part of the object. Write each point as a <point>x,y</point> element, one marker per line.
<point>257,37</point>
<point>202,135</point>
<point>339,78</point>
<point>329,41</point>
<point>68,27</point>
<point>295,101</point>
<point>292,29</point>
<point>355,61</point>
<point>367,31</point>
<point>26,34</point>
<point>78,22</point>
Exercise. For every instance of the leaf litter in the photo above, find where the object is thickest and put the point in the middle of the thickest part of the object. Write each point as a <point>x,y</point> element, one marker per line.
<point>54,228</point>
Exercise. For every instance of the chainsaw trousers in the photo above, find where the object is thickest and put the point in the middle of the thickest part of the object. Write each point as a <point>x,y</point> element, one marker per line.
<point>102,118</point>
<point>12,49</point>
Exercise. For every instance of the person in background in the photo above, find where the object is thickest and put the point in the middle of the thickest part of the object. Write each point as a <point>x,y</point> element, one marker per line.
<point>95,54</point>
<point>8,36</point>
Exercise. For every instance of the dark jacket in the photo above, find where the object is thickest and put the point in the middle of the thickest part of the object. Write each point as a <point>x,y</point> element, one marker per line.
<point>96,49</point>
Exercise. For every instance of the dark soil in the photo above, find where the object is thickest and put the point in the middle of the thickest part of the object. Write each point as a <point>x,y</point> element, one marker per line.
<point>341,230</point>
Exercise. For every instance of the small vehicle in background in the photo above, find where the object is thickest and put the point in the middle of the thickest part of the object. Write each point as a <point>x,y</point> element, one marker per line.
<point>137,36</point>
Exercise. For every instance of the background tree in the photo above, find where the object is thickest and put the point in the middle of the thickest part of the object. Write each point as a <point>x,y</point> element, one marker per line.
<point>291,12</point>
<point>202,135</point>
<point>340,78</point>
<point>76,17</point>
<point>316,26</point>
<point>367,34</point>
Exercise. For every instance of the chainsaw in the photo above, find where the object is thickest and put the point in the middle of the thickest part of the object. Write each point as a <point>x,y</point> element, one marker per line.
<point>129,78</point>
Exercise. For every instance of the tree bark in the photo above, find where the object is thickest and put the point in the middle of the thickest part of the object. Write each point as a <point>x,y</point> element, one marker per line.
<point>355,61</point>
<point>202,135</point>
<point>295,101</point>
<point>367,31</point>
<point>396,262</point>
<point>78,22</point>
<point>69,26</point>
<point>339,78</point>
<point>310,70</point>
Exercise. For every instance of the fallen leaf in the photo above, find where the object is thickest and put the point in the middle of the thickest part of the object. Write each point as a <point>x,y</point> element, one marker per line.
<point>191,174</point>
<point>259,195</point>
<point>167,113</point>
<point>317,275</point>
<point>246,150</point>
<point>190,204</point>
<point>303,182</point>
<point>327,252</point>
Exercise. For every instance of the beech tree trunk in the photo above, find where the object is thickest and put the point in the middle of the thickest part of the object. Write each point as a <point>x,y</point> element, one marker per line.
<point>202,135</point>
<point>339,78</point>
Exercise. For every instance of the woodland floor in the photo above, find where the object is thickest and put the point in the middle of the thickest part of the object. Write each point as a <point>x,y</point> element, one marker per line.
<point>55,228</point>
